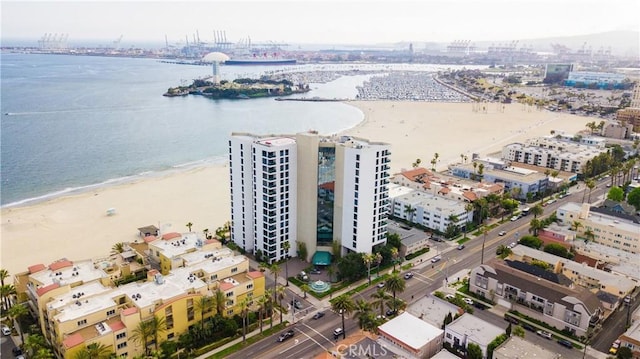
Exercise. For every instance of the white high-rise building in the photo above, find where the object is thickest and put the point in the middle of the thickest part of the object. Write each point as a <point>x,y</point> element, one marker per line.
<point>310,189</point>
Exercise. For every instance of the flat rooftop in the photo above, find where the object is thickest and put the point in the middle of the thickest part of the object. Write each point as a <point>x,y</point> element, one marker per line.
<point>518,348</point>
<point>66,272</point>
<point>433,310</point>
<point>476,329</point>
<point>410,330</point>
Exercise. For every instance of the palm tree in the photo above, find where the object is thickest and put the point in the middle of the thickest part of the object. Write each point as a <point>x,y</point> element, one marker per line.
<point>409,211</point>
<point>469,207</point>
<point>394,257</point>
<point>262,308</point>
<point>280,291</point>
<point>118,248</point>
<point>16,313</point>
<point>378,259</point>
<point>535,226</point>
<point>6,303</point>
<point>575,225</point>
<point>485,230</point>
<point>305,289</point>
<point>206,233</point>
<point>330,272</point>
<point>268,295</point>
<point>286,246</point>
<point>244,310</point>
<point>142,333</point>
<point>379,298</point>
<point>43,353</point>
<point>343,304</point>
<point>480,171</point>
<point>204,305</point>
<point>158,326</point>
<point>589,235</point>
<point>274,269</point>
<point>189,225</point>
<point>35,342</point>
<point>363,313</point>
<point>220,302</point>
<point>537,210</point>
<point>6,292</point>
<point>367,258</point>
<point>94,351</point>
<point>591,184</point>
<point>394,284</point>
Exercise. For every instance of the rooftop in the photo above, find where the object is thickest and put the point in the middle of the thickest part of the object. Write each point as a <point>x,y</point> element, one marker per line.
<point>476,329</point>
<point>518,348</point>
<point>410,330</point>
<point>433,310</point>
<point>174,244</point>
<point>67,272</point>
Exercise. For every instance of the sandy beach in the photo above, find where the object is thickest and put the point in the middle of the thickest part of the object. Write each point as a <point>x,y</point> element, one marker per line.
<point>78,227</point>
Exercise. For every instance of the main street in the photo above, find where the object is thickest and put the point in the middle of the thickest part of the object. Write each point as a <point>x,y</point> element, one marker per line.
<point>316,336</point>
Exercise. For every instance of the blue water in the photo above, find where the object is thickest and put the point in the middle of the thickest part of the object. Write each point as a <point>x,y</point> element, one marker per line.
<point>78,121</point>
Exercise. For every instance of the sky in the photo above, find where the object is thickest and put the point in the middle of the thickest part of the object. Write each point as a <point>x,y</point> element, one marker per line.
<point>316,22</point>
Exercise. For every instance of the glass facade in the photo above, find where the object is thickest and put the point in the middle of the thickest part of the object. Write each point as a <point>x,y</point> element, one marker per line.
<point>326,189</point>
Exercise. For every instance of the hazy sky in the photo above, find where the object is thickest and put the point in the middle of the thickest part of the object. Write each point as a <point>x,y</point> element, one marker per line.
<point>306,21</point>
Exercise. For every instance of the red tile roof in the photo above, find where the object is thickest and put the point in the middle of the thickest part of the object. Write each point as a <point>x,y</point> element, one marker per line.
<point>255,274</point>
<point>226,286</point>
<point>130,311</point>
<point>171,235</point>
<point>73,340</point>
<point>471,196</point>
<point>62,263</point>
<point>42,290</point>
<point>36,268</point>
<point>149,239</point>
<point>209,241</point>
<point>413,174</point>
<point>117,326</point>
<point>444,190</point>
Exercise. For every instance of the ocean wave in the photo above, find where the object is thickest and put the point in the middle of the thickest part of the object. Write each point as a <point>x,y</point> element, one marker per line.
<point>216,160</point>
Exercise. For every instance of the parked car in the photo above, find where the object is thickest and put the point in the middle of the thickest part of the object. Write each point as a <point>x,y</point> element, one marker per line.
<point>565,343</point>
<point>512,244</point>
<point>502,233</point>
<point>408,275</point>
<point>380,285</point>
<point>460,247</point>
<point>286,335</point>
<point>514,218</point>
<point>614,347</point>
<point>449,297</point>
<point>315,271</point>
<point>391,312</point>
<point>479,305</point>
<point>528,327</point>
<point>16,351</point>
<point>511,319</point>
<point>318,315</point>
<point>544,334</point>
<point>337,332</point>
<point>627,299</point>
<point>468,301</point>
<point>6,330</point>
<point>436,259</point>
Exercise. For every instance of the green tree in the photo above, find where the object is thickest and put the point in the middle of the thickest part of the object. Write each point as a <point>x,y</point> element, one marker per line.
<point>275,270</point>
<point>474,351</point>
<point>286,246</point>
<point>94,351</point>
<point>447,319</point>
<point>142,333</point>
<point>624,353</point>
<point>616,194</point>
<point>302,250</point>
<point>633,198</point>
<point>379,298</point>
<point>336,250</point>
<point>409,211</point>
<point>537,210</point>
<point>33,343</point>
<point>518,331</point>
<point>368,258</point>
<point>363,313</point>
<point>244,311</point>
<point>343,305</point>
<point>15,314</point>
<point>118,248</point>
<point>158,326</point>
<point>531,241</point>
<point>189,225</point>
<point>305,289</point>
<point>394,257</point>
<point>220,302</point>
<point>351,267</point>
<point>204,305</point>
<point>557,249</point>
<point>4,300</point>
<point>395,284</point>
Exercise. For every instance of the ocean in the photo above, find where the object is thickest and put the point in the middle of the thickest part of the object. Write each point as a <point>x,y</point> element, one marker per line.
<point>70,123</point>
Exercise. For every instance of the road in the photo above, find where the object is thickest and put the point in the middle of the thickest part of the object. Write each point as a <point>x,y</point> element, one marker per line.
<point>315,336</point>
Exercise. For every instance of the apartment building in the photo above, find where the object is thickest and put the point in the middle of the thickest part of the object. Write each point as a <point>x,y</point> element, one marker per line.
<point>411,335</point>
<point>432,211</point>
<point>614,260</point>
<point>557,154</point>
<point>578,273</point>
<point>169,249</point>
<point>557,305</point>
<point>468,329</point>
<point>510,177</point>
<point>611,231</point>
<point>77,303</point>
<point>308,188</point>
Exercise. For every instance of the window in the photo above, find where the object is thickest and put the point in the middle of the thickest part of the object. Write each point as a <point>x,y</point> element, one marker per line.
<point>82,322</point>
<point>121,336</point>
<point>122,345</point>
<point>111,312</point>
<point>234,270</point>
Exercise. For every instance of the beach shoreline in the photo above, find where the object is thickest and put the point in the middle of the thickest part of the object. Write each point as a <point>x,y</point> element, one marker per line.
<point>77,226</point>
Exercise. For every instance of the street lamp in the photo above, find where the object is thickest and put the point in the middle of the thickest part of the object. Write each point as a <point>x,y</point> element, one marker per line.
<point>484,238</point>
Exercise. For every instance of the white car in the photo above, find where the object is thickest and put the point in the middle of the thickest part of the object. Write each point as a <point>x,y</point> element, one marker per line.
<point>436,259</point>
<point>449,297</point>
<point>6,330</point>
<point>512,244</point>
<point>502,233</point>
<point>514,218</point>
<point>468,301</point>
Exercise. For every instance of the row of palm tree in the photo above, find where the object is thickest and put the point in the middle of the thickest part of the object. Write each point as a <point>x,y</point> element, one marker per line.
<point>345,305</point>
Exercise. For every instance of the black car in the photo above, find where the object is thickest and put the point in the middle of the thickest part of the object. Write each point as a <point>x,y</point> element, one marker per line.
<point>511,319</point>
<point>16,351</point>
<point>565,343</point>
<point>286,335</point>
<point>528,327</point>
<point>296,304</point>
<point>318,315</point>
<point>391,312</point>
